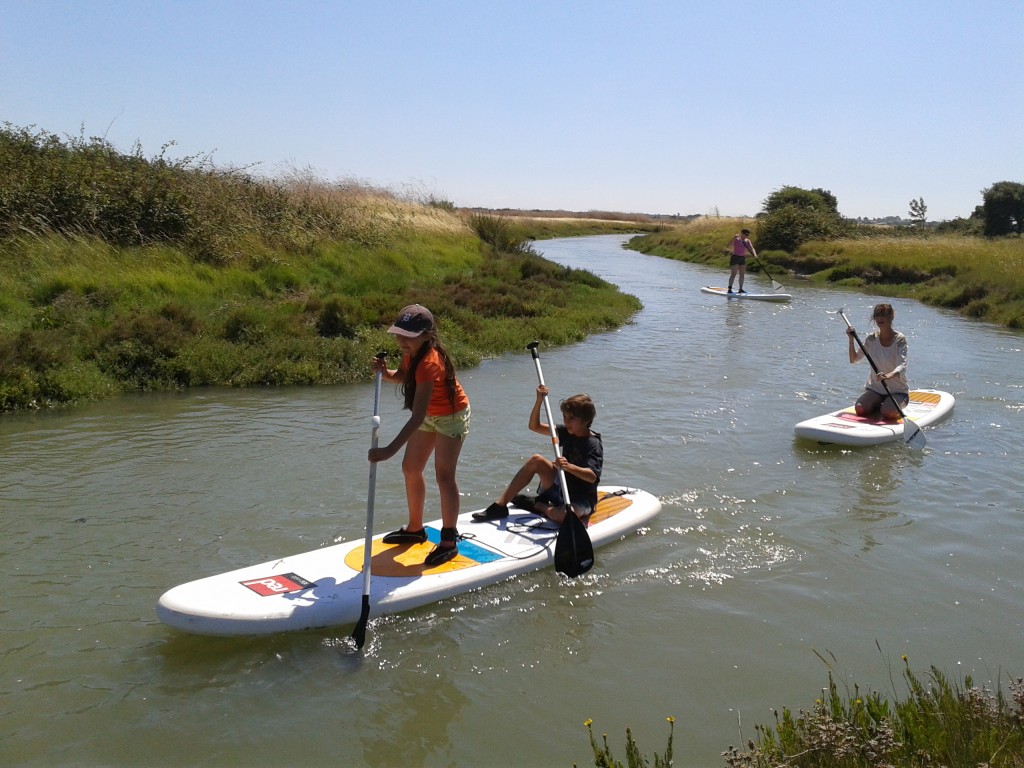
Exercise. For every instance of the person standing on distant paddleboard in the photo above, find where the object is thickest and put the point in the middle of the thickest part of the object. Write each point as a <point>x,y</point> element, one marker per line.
<point>737,251</point>
<point>887,347</point>
<point>438,424</point>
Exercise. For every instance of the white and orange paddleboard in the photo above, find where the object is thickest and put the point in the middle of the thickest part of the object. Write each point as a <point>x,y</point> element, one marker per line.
<point>845,427</point>
<point>323,588</point>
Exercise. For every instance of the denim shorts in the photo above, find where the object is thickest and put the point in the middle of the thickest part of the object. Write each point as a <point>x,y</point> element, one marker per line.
<point>455,425</point>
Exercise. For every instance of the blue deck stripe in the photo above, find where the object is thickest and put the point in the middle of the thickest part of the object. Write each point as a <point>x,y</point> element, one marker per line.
<point>466,548</point>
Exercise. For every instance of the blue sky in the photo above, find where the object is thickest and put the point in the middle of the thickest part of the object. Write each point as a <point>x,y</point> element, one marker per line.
<point>640,105</point>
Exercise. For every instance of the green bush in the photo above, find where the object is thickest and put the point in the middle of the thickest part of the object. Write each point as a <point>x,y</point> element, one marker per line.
<point>791,226</point>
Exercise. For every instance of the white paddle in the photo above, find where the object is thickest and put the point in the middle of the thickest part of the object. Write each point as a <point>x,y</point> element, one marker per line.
<point>574,552</point>
<point>359,633</point>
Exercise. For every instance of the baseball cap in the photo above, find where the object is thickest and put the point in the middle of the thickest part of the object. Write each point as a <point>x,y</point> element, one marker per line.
<point>412,321</point>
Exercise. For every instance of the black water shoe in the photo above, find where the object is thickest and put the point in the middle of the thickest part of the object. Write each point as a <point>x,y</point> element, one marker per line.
<point>522,501</point>
<point>439,555</point>
<point>402,536</point>
<point>495,511</point>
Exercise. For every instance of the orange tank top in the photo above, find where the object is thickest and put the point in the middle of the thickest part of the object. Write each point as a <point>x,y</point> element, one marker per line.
<point>431,368</point>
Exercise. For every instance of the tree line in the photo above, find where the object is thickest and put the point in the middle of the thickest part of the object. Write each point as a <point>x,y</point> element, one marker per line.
<point>792,216</point>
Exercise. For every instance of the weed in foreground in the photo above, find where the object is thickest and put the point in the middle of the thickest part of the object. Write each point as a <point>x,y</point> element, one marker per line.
<point>603,757</point>
<point>939,723</point>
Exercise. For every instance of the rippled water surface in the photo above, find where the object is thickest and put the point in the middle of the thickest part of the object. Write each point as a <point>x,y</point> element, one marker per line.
<point>769,552</point>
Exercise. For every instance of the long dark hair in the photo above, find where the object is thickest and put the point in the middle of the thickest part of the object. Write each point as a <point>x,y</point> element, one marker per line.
<point>409,383</point>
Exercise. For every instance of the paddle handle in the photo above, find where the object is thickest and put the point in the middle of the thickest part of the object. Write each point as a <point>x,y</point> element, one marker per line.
<point>532,346</point>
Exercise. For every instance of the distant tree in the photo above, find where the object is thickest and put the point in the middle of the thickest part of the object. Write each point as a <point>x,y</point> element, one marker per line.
<point>918,211</point>
<point>828,197</point>
<point>811,199</point>
<point>1003,208</point>
<point>973,225</point>
<point>793,216</point>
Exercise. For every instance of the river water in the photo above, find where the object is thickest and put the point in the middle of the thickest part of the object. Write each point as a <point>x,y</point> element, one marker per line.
<point>771,556</point>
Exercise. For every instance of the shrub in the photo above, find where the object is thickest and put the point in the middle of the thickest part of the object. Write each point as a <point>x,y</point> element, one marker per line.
<point>789,227</point>
<point>500,233</point>
<point>339,316</point>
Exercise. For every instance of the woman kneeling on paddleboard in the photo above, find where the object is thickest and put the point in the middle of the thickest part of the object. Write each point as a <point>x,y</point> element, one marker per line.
<point>887,348</point>
<point>438,424</point>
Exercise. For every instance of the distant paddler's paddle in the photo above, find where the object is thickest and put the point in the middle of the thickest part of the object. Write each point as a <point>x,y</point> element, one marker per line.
<point>359,633</point>
<point>775,285</point>
<point>574,552</point>
<point>916,438</point>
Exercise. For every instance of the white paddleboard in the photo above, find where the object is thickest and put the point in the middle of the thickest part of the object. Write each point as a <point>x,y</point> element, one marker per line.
<point>324,588</point>
<point>754,296</point>
<point>845,427</point>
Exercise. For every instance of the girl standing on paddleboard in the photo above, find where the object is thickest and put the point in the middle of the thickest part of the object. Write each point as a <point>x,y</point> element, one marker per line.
<point>738,249</point>
<point>438,424</point>
<point>887,347</point>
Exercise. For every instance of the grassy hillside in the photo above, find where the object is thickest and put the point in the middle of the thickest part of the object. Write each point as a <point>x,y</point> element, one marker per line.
<point>121,273</point>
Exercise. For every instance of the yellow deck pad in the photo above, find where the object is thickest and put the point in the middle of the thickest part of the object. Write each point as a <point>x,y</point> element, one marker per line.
<point>406,560</point>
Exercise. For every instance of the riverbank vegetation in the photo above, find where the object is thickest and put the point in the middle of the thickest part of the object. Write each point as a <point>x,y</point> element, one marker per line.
<point>937,722</point>
<point>979,277</point>
<point>120,272</point>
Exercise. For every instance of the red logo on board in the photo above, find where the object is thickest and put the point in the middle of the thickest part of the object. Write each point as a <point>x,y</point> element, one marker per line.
<point>278,585</point>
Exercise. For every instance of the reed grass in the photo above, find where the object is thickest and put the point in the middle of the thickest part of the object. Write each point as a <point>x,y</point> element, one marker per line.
<point>604,758</point>
<point>935,722</point>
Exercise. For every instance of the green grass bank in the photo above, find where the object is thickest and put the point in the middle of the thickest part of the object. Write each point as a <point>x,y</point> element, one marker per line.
<point>124,273</point>
<point>82,319</point>
<point>979,277</point>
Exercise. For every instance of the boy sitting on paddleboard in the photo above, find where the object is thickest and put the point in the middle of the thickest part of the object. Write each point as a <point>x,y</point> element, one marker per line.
<point>582,460</point>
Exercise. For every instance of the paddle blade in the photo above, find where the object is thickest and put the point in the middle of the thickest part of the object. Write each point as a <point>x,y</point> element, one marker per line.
<point>915,435</point>
<point>574,552</point>
<point>359,633</point>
